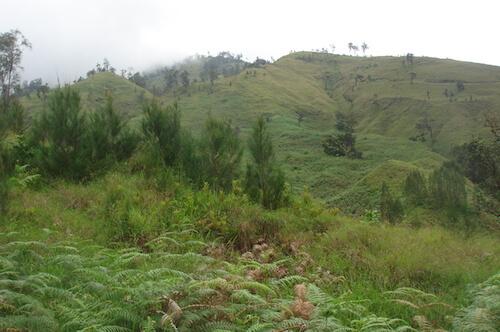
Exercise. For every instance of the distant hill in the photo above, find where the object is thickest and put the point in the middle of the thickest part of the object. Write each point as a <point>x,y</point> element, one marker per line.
<point>299,95</point>
<point>128,97</point>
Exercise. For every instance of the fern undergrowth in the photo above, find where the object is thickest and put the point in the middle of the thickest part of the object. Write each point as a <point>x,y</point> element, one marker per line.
<point>170,285</point>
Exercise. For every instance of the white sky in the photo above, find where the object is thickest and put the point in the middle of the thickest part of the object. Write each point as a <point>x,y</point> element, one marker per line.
<point>70,36</point>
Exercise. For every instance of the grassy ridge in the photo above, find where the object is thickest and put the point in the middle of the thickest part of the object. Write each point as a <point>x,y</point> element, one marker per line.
<point>386,103</point>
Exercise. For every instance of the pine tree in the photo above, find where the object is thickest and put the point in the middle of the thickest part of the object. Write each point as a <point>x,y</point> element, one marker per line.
<point>221,154</point>
<point>391,209</point>
<point>264,181</point>
<point>447,187</point>
<point>59,136</point>
<point>343,144</point>
<point>415,188</point>
<point>109,138</point>
<point>161,127</point>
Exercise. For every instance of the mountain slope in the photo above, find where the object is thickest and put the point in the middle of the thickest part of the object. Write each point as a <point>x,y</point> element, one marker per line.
<point>299,95</point>
<point>378,90</point>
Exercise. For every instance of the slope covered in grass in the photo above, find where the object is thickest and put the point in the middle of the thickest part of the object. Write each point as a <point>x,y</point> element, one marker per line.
<point>311,87</point>
<point>378,89</point>
<point>127,96</point>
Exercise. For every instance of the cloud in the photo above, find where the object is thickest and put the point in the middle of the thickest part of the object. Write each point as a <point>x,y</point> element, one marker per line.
<point>69,37</point>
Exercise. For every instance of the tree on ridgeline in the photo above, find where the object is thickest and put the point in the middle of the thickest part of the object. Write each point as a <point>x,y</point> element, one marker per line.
<point>355,48</point>
<point>409,58</point>
<point>264,180</point>
<point>364,47</point>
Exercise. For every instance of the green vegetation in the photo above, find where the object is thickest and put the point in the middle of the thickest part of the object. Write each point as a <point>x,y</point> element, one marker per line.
<point>184,245</point>
<point>221,154</point>
<point>391,209</point>
<point>264,180</point>
<point>343,143</point>
<point>113,219</point>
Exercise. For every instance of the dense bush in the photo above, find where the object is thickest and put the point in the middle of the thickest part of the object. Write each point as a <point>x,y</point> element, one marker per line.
<point>70,287</point>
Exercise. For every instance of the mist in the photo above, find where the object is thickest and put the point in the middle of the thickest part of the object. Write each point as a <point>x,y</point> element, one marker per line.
<point>70,37</point>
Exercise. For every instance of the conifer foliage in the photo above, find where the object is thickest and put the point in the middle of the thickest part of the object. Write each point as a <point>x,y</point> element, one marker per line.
<point>59,136</point>
<point>391,209</point>
<point>161,127</point>
<point>415,188</point>
<point>343,143</point>
<point>109,137</point>
<point>264,181</point>
<point>65,142</point>
<point>447,187</point>
<point>221,154</point>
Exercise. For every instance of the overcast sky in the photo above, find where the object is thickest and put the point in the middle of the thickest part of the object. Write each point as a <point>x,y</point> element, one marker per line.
<point>70,36</point>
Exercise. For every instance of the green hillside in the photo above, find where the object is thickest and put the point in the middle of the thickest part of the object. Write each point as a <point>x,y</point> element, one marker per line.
<point>314,86</point>
<point>105,230</point>
<point>386,103</point>
<point>127,96</point>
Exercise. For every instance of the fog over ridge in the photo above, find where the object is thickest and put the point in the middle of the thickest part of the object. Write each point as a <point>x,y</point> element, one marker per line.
<point>70,37</point>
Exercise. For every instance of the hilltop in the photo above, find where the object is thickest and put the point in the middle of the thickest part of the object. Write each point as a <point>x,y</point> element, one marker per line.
<point>128,97</point>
